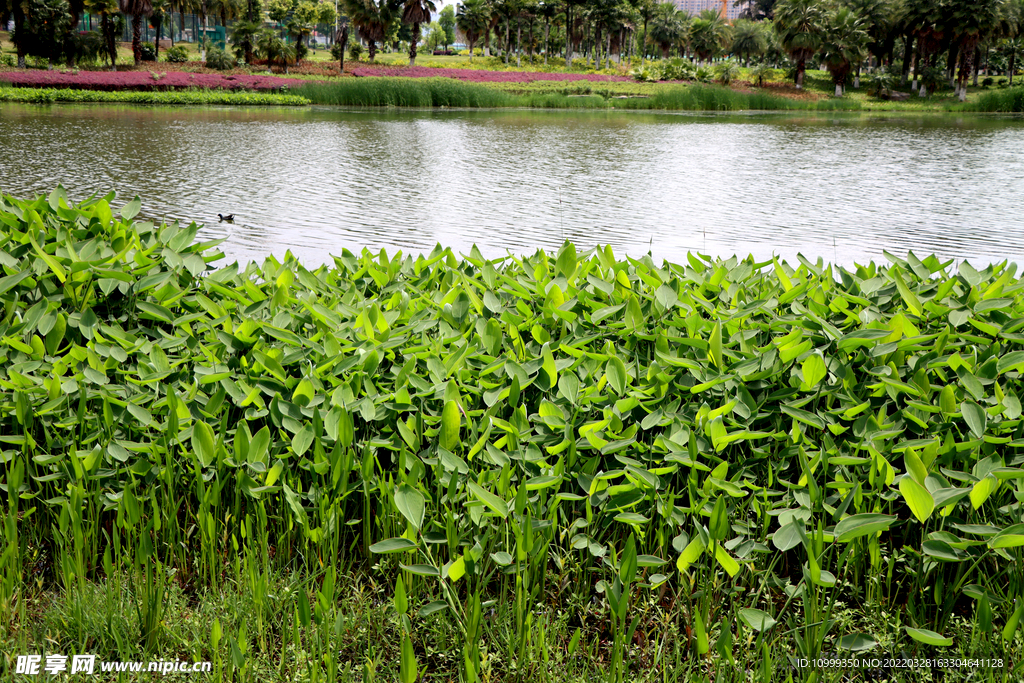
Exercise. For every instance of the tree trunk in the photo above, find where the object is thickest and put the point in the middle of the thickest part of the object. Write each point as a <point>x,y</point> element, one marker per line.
<point>643,50</point>
<point>1013,58</point>
<point>137,38</point>
<point>977,67</point>
<point>908,58</point>
<point>156,44</point>
<point>519,42</point>
<point>800,68</point>
<point>966,66</point>
<point>856,78</point>
<point>373,49</point>
<point>839,90</point>
<point>508,40</point>
<point>108,33</point>
<point>412,43</point>
<point>547,31</point>
<point>568,39</point>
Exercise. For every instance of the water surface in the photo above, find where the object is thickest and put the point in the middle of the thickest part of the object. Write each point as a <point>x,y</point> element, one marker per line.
<point>314,181</point>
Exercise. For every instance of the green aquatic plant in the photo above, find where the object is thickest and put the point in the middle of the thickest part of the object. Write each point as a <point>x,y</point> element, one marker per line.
<point>503,440</point>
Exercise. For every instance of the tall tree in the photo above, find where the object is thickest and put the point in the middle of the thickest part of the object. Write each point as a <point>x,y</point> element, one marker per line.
<point>372,19</point>
<point>667,27</point>
<point>709,34</point>
<point>972,21</point>
<point>800,24</point>
<point>646,10</point>
<point>473,19</point>
<point>107,10</point>
<point>844,43</point>
<point>446,21</point>
<point>748,39</point>
<point>137,9</point>
<point>414,13</point>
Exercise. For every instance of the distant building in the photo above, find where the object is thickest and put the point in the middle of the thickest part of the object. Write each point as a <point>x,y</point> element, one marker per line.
<point>695,7</point>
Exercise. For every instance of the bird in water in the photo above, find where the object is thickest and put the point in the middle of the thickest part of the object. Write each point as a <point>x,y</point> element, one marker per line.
<point>229,218</point>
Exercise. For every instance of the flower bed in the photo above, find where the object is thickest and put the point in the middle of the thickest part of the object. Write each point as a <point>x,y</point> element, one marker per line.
<point>479,76</point>
<point>143,80</point>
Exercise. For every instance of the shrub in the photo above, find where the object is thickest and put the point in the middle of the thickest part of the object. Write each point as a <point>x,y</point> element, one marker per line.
<point>336,51</point>
<point>727,71</point>
<point>987,82</point>
<point>148,51</point>
<point>300,51</point>
<point>646,74</point>
<point>1002,83</point>
<point>761,73</point>
<point>355,51</point>
<point>220,60</point>
<point>881,82</point>
<point>177,54</point>
<point>7,60</point>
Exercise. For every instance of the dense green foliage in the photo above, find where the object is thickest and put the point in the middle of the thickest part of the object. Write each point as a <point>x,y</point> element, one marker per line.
<point>402,92</point>
<point>445,92</point>
<point>1011,100</point>
<point>187,97</point>
<point>746,446</point>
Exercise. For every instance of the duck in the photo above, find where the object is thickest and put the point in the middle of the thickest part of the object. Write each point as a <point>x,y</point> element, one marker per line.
<point>229,218</point>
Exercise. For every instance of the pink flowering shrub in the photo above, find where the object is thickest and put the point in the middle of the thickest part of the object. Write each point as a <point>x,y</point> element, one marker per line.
<point>480,76</point>
<point>143,80</point>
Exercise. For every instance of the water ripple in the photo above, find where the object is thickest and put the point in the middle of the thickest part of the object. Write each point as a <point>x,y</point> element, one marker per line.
<point>316,181</point>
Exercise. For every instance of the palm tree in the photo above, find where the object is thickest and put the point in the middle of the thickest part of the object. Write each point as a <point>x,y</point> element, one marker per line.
<point>106,9</point>
<point>473,19</point>
<point>927,21</point>
<point>973,21</point>
<point>225,9</point>
<point>137,9</point>
<point>748,39</point>
<point>709,34</point>
<point>800,24</point>
<point>270,46</point>
<point>244,33</point>
<point>843,45</point>
<point>548,9</point>
<point>416,12</point>
<point>159,12</point>
<point>647,9</point>
<point>373,19</point>
<point>666,27</point>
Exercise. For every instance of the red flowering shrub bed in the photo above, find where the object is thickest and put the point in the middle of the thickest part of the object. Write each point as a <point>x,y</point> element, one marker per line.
<point>480,76</point>
<point>144,80</point>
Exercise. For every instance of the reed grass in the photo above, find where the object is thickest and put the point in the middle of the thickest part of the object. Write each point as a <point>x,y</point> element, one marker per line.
<point>1010,100</point>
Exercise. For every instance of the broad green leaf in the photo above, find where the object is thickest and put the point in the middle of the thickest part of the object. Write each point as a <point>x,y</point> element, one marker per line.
<point>928,637</point>
<point>616,371</point>
<point>203,443</point>
<point>410,503</point>
<point>756,619</point>
<point>814,371</point>
<point>975,417</point>
<point>855,526</point>
<point>489,499</point>
<point>393,545</point>
<point>918,499</point>
<point>451,426</point>
<point>715,346</point>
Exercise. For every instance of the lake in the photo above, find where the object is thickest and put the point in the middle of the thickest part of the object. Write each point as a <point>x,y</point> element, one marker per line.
<point>843,187</point>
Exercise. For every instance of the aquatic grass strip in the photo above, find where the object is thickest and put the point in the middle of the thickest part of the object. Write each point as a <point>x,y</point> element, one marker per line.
<point>754,440</point>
